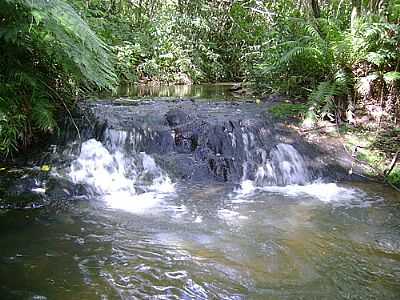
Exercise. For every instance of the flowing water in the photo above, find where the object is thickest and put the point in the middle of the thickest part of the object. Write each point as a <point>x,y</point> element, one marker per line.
<point>139,233</point>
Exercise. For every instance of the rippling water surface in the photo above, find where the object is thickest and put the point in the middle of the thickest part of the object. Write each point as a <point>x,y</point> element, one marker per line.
<point>218,91</point>
<point>321,241</point>
<point>147,237</point>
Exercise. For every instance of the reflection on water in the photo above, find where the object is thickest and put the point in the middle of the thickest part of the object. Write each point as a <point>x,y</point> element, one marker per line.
<point>205,244</point>
<point>205,91</point>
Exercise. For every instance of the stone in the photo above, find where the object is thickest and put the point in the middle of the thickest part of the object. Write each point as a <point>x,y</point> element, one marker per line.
<point>176,117</point>
<point>199,140</point>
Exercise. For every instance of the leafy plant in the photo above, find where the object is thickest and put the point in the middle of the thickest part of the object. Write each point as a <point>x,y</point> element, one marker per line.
<point>286,110</point>
<point>394,177</point>
<point>48,54</point>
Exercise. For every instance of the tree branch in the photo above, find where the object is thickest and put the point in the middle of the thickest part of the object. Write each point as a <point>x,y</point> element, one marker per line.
<point>392,164</point>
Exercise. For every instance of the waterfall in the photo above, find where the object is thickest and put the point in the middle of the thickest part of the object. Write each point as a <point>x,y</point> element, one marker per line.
<point>124,179</point>
<point>284,165</point>
<point>196,142</point>
<point>105,172</point>
<point>203,147</point>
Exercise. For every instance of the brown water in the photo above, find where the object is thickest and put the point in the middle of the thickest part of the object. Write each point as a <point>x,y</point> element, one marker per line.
<point>208,242</point>
<point>216,241</point>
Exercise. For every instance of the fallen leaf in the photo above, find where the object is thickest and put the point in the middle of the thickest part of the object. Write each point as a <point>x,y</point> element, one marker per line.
<point>45,168</point>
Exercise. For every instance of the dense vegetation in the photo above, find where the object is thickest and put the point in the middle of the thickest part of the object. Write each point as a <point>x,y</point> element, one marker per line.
<point>341,57</point>
<point>48,54</point>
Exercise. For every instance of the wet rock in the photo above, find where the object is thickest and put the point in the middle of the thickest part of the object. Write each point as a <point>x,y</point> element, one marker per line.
<point>274,98</point>
<point>63,189</point>
<point>179,166</point>
<point>176,117</point>
<point>240,89</point>
<point>24,201</point>
<point>195,140</point>
<point>33,190</point>
<point>25,192</point>
<point>25,185</point>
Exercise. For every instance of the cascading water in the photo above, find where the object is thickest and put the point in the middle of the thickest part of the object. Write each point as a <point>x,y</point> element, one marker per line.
<point>283,166</point>
<point>284,170</point>
<point>193,142</point>
<point>286,237</point>
<point>126,180</point>
<point>101,170</point>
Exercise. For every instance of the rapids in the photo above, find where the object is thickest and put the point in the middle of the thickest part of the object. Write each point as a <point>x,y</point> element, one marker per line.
<point>194,200</point>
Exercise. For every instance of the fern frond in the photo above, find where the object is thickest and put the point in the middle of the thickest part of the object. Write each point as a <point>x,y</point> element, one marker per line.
<point>376,58</point>
<point>312,31</point>
<point>68,39</point>
<point>294,53</point>
<point>12,123</point>
<point>322,99</point>
<point>344,81</point>
<point>42,112</point>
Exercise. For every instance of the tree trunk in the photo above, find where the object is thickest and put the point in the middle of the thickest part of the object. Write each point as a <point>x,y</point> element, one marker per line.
<point>316,9</point>
<point>355,13</point>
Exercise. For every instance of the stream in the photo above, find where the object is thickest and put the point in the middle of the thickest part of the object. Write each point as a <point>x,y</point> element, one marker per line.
<point>152,207</point>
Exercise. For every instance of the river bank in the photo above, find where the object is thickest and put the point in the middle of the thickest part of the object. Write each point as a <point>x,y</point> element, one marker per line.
<point>374,149</point>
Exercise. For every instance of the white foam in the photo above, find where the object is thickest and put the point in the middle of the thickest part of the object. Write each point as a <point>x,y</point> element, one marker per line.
<point>100,169</point>
<point>198,219</point>
<point>230,216</point>
<point>285,171</point>
<point>115,178</point>
<point>139,203</point>
<point>324,192</point>
<point>246,187</point>
<point>227,214</point>
<point>39,190</point>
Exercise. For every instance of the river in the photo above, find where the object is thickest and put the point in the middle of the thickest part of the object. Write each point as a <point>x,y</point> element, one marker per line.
<point>141,233</point>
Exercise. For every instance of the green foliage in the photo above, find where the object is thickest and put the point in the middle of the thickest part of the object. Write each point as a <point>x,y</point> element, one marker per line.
<point>323,99</point>
<point>394,177</point>
<point>391,76</point>
<point>11,126</point>
<point>286,110</point>
<point>372,157</point>
<point>302,58</point>
<point>335,55</point>
<point>48,53</point>
<point>166,41</point>
<point>327,58</point>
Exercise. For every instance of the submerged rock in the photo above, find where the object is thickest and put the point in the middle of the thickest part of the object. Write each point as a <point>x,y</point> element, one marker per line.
<point>23,190</point>
<point>31,189</point>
